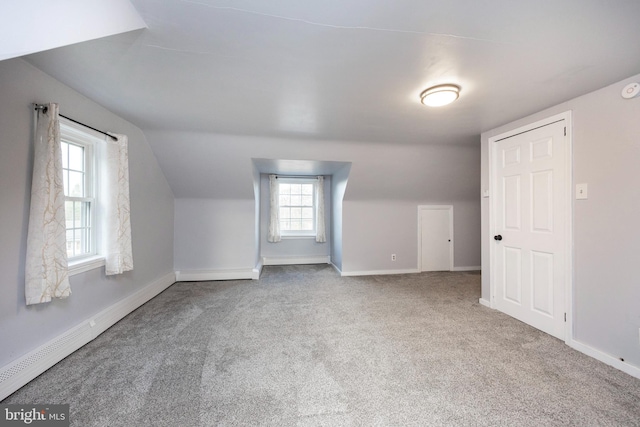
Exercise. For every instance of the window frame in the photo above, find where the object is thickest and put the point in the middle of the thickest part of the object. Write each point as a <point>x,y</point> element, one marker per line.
<point>300,234</point>
<point>75,134</point>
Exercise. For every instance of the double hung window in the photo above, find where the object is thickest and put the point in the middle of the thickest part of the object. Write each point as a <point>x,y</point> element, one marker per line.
<point>79,174</point>
<point>297,205</point>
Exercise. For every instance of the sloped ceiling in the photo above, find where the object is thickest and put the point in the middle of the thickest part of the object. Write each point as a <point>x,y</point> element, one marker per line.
<point>30,26</point>
<point>350,69</point>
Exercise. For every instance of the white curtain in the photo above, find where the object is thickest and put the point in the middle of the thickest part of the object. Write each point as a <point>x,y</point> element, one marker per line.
<point>114,193</point>
<point>274,214</point>
<point>321,235</point>
<point>46,270</point>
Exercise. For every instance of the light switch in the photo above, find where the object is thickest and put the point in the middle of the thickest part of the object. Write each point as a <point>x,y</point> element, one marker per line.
<point>485,193</point>
<point>581,192</point>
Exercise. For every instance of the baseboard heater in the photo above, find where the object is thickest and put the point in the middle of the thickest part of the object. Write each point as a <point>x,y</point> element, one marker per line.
<point>24,369</point>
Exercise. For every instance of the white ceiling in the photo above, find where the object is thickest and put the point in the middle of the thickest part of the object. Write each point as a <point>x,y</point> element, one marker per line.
<point>350,69</point>
<point>30,26</point>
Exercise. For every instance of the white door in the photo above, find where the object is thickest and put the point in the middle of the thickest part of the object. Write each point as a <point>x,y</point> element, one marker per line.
<point>531,210</point>
<point>435,238</point>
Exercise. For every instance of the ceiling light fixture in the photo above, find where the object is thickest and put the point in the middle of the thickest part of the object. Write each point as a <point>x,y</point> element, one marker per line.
<point>438,96</point>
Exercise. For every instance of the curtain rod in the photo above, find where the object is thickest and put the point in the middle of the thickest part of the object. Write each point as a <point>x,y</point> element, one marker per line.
<point>44,109</point>
<point>298,176</point>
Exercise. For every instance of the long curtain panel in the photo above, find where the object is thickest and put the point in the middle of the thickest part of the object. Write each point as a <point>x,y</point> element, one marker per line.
<point>321,235</point>
<point>273,235</point>
<point>46,269</point>
<point>116,214</point>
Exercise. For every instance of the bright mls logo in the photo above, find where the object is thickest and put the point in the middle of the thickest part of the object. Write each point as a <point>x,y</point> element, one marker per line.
<point>34,415</point>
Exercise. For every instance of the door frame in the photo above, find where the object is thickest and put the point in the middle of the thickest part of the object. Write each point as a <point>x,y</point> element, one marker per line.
<point>568,205</point>
<point>422,208</point>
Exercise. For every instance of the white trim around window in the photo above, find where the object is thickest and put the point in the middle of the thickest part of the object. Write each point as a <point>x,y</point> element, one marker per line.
<point>298,234</point>
<point>85,264</point>
<point>73,134</point>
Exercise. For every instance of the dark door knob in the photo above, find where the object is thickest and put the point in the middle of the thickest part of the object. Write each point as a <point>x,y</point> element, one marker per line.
<point>498,237</point>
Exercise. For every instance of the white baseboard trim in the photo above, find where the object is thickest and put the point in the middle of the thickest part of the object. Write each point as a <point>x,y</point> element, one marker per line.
<point>627,368</point>
<point>378,272</point>
<point>257,271</point>
<point>472,268</point>
<point>485,302</point>
<point>323,259</point>
<point>207,275</point>
<point>22,370</point>
<point>335,267</point>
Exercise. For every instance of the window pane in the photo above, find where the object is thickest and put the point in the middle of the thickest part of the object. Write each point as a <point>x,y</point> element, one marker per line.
<point>69,243</point>
<point>285,188</point>
<point>285,225</point>
<point>285,213</point>
<point>296,200</point>
<point>296,189</point>
<point>296,225</point>
<point>296,213</point>
<point>285,200</point>
<point>307,201</point>
<point>76,157</point>
<point>76,184</point>
<point>65,155</point>
<point>77,242</point>
<point>307,213</point>
<point>307,224</point>
<point>307,189</point>
<point>65,177</point>
<point>86,214</point>
<point>77,214</point>
<point>68,214</point>
<point>85,242</point>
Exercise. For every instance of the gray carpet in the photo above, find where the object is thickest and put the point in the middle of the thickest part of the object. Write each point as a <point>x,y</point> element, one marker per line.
<point>303,346</point>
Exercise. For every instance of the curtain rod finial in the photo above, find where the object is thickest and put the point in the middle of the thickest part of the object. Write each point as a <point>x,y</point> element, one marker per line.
<point>42,107</point>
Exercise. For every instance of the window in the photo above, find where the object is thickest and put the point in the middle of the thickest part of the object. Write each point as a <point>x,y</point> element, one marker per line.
<point>297,206</point>
<point>79,172</point>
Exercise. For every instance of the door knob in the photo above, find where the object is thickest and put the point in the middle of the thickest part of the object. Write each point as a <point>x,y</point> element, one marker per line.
<point>498,237</point>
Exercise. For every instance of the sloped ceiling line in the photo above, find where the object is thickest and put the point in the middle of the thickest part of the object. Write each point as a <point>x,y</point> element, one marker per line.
<point>30,26</point>
<point>347,27</point>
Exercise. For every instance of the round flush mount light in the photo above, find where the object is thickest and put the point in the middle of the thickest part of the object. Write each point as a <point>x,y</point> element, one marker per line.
<point>631,90</point>
<point>438,96</point>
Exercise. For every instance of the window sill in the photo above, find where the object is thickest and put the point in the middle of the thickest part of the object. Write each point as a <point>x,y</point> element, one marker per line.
<point>85,264</point>
<point>313,236</point>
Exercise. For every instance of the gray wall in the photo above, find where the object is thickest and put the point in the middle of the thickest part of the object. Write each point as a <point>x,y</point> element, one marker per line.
<point>214,234</point>
<point>386,184</point>
<point>296,247</point>
<point>606,155</point>
<point>339,182</point>
<point>257,204</point>
<point>23,328</point>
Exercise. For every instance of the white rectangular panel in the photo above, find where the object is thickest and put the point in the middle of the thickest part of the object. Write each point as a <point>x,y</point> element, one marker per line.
<point>542,282</point>
<point>511,156</point>
<point>511,202</point>
<point>513,274</point>
<point>542,201</point>
<point>541,149</point>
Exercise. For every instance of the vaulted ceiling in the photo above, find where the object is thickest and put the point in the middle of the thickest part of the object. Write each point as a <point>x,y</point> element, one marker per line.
<point>350,69</point>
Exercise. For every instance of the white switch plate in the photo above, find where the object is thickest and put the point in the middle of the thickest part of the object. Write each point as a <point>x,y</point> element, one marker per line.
<point>485,193</point>
<point>581,192</point>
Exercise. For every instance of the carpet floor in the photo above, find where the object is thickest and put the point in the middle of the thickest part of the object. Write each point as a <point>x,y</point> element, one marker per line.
<point>305,347</point>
